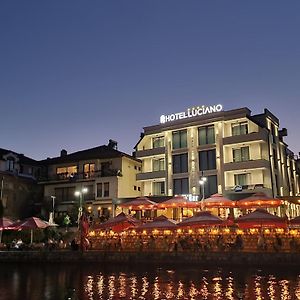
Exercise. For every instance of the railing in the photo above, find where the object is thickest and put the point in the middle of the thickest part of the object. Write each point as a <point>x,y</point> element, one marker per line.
<point>85,175</point>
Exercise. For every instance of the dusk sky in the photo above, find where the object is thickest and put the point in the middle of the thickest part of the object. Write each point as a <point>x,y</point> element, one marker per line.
<point>74,74</point>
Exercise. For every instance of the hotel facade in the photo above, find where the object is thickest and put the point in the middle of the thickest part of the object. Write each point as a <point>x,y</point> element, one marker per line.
<point>235,151</point>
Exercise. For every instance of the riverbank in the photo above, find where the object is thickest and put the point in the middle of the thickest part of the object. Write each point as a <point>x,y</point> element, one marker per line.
<point>245,259</point>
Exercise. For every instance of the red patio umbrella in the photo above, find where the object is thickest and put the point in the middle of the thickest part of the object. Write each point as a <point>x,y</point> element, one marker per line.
<point>119,223</point>
<point>218,201</point>
<point>258,200</point>
<point>29,224</point>
<point>4,223</point>
<point>140,203</point>
<point>202,219</point>
<point>161,222</point>
<point>260,218</point>
<point>178,202</point>
<point>295,221</point>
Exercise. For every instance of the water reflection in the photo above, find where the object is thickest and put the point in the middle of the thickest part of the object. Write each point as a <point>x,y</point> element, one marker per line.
<point>96,282</point>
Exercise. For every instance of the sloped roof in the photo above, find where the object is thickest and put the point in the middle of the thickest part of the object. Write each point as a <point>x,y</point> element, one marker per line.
<point>100,152</point>
<point>22,158</point>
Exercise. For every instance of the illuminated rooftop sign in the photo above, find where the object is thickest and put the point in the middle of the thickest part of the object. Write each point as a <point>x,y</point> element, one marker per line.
<point>191,112</point>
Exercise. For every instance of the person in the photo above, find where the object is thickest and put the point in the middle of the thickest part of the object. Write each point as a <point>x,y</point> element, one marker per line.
<point>278,243</point>
<point>74,245</point>
<point>293,244</point>
<point>261,242</point>
<point>239,243</point>
<point>220,243</point>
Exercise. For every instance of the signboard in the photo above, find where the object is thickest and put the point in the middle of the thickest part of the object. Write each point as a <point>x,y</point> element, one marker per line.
<point>191,112</point>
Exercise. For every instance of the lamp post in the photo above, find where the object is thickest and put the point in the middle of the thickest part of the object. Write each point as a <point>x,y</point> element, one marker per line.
<point>202,181</point>
<point>80,195</point>
<point>53,204</point>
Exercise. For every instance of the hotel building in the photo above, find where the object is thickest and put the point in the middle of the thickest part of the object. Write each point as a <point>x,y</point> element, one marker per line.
<point>103,172</point>
<point>235,151</point>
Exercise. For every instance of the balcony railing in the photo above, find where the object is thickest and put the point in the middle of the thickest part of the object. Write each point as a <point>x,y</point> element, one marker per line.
<point>247,164</point>
<point>85,175</point>
<point>261,135</point>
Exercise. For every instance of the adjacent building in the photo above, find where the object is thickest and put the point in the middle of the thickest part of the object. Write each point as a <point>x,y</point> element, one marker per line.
<point>19,191</point>
<point>98,175</point>
<point>235,151</point>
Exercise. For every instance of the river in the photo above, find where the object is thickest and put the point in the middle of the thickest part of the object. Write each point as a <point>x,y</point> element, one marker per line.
<point>95,281</point>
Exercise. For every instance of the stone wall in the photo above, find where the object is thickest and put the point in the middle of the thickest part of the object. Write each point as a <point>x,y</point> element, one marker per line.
<point>160,258</point>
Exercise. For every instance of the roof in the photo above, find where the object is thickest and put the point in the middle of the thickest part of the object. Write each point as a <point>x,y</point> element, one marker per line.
<point>22,158</point>
<point>100,152</point>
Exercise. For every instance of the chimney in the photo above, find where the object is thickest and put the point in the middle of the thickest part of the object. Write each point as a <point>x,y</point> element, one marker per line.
<point>113,144</point>
<point>63,152</point>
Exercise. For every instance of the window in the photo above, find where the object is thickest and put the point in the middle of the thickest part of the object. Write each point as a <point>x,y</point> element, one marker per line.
<point>65,194</point>
<point>139,188</point>
<point>105,169</point>
<point>90,193</point>
<point>134,187</point>
<point>89,170</point>
<point>275,158</point>
<point>241,179</point>
<point>239,128</point>
<point>273,133</point>
<point>179,139</point>
<point>99,190</point>
<point>158,164</point>
<point>106,189</point>
<point>207,160</point>
<point>158,142</point>
<point>158,188</point>
<point>181,186</point>
<point>180,163</point>
<point>211,186</point>
<point>10,164</point>
<point>241,154</point>
<point>206,135</point>
<point>66,172</point>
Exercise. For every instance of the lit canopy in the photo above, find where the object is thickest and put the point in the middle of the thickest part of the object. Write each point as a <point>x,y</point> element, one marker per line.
<point>178,202</point>
<point>260,218</point>
<point>159,223</point>
<point>218,201</point>
<point>295,221</point>
<point>140,203</point>
<point>119,223</point>
<point>4,223</point>
<point>202,219</point>
<point>258,200</point>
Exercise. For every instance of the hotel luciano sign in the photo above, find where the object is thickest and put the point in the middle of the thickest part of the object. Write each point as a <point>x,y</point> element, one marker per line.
<point>191,112</point>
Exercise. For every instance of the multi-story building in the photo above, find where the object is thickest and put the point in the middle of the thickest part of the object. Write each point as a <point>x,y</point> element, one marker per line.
<point>19,192</point>
<point>104,172</point>
<point>234,150</point>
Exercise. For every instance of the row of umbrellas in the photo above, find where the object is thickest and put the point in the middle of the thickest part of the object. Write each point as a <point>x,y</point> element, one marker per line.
<point>257,200</point>
<point>27,224</point>
<point>257,218</point>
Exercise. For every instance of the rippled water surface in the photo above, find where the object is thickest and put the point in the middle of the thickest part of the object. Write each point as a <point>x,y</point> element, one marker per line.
<point>79,281</point>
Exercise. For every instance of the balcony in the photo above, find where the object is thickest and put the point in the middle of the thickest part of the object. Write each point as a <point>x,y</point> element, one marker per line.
<point>249,164</point>
<point>249,189</point>
<point>261,135</point>
<point>151,175</point>
<point>82,176</point>
<point>150,152</point>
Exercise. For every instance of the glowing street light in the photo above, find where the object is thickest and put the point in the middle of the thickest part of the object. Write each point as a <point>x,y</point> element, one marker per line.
<point>81,199</point>
<point>202,182</point>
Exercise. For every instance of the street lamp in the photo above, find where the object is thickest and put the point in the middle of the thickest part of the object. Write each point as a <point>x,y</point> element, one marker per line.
<point>80,195</point>
<point>53,204</point>
<point>202,183</point>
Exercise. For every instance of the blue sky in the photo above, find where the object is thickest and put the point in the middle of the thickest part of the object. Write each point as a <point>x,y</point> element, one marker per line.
<point>74,74</point>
